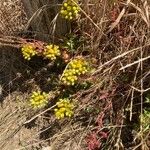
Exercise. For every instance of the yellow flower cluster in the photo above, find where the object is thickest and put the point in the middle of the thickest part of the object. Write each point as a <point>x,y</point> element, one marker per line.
<point>75,68</point>
<point>69,9</point>
<point>38,99</point>
<point>28,51</point>
<point>51,52</point>
<point>64,108</point>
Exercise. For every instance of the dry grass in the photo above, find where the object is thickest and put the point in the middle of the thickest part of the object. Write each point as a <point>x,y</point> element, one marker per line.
<point>117,39</point>
<point>12,17</point>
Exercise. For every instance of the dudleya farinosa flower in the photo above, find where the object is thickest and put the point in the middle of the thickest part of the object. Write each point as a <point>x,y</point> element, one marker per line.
<point>64,108</point>
<point>76,67</point>
<point>38,99</point>
<point>70,9</point>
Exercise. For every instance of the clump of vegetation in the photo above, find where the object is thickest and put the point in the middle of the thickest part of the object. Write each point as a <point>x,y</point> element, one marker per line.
<point>38,99</point>
<point>64,108</point>
<point>51,52</point>
<point>70,9</point>
<point>76,67</point>
<point>113,38</point>
<point>28,51</point>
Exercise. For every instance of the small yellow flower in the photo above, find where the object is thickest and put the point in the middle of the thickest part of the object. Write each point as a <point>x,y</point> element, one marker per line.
<point>28,51</point>
<point>65,4</point>
<point>38,99</point>
<point>75,68</point>
<point>51,52</point>
<point>64,108</point>
<point>69,9</point>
